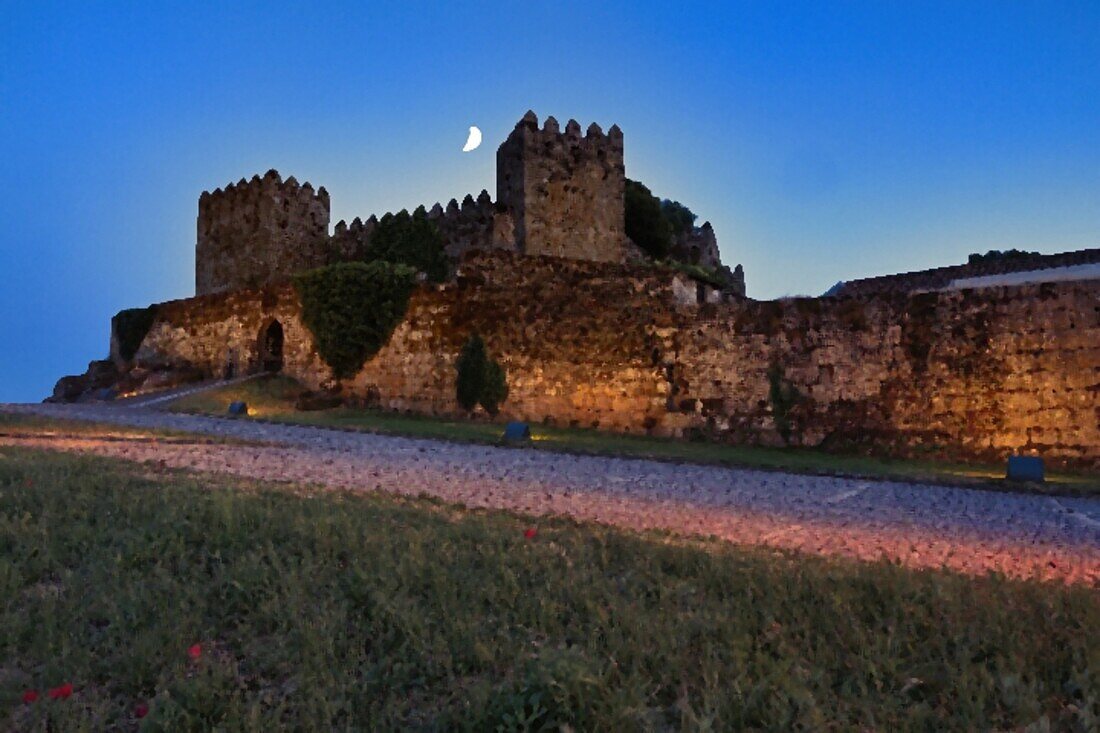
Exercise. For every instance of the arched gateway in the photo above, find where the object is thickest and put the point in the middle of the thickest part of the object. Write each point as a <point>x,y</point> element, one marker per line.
<point>271,347</point>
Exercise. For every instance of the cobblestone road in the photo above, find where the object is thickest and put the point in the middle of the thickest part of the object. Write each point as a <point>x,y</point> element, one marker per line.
<point>918,525</point>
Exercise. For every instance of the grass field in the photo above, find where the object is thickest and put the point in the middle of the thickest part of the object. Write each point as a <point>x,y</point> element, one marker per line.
<point>273,399</point>
<point>216,604</point>
<point>35,426</point>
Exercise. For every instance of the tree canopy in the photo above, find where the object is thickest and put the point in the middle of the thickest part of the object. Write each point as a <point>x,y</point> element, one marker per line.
<point>646,224</point>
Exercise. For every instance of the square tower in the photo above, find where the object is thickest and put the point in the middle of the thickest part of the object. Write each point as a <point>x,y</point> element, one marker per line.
<point>565,192</point>
<point>259,231</point>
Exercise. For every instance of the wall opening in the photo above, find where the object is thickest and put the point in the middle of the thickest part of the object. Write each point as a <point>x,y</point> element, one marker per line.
<point>271,347</point>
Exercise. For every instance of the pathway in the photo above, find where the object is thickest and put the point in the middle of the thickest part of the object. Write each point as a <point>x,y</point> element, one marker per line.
<point>919,525</point>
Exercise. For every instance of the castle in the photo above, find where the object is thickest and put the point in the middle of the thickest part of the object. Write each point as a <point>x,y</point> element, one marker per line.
<point>559,194</point>
<point>957,362</point>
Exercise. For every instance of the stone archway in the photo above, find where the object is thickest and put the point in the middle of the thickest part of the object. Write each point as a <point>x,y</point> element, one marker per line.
<point>271,347</point>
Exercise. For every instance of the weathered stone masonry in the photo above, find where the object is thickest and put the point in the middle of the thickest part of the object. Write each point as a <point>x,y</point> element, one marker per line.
<point>589,340</point>
<point>259,231</point>
<point>969,374</point>
<point>565,191</point>
<point>559,194</point>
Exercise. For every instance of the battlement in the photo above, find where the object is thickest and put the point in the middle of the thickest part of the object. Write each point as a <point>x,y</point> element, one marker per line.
<point>560,193</point>
<point>474,224</point>
<point>259,230</point>
<point>564,190</point>
<point>551,134</point>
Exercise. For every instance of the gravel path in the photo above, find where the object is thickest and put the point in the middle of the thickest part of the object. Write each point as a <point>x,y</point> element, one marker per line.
<point>918,525</point>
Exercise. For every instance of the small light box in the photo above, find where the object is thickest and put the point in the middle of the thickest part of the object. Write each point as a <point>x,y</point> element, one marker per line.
<point>238,408</point>
<point>1025,468</point>
<point>516,432</point>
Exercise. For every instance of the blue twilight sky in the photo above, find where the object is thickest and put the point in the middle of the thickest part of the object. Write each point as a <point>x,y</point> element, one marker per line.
<point>825,141</point>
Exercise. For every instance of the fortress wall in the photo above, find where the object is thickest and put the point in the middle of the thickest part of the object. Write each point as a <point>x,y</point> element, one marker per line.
<point>566,191</point>
<point>476,224</point>
<point>968,374</point>
<point>258,231</point>
<point>221,332</point>
<point>575,338</point>
<point>965,374</point>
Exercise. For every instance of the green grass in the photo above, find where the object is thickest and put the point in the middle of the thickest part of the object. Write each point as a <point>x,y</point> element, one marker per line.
<point>273,399</point>
<point>324,610</point>
<point>36,426</point>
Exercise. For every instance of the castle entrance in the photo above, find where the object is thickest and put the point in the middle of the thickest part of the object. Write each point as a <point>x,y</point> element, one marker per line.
<point>271,347</point>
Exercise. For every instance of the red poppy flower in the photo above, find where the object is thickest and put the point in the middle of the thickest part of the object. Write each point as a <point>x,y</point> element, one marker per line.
<point>141,710</point>
<point>61,693</point>
<point>530,533</point>
<point>30,696</point>
<point>194,651</point>
<point>28,483</point>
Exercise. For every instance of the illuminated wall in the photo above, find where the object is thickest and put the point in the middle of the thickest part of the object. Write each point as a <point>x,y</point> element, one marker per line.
<point>972,373</point>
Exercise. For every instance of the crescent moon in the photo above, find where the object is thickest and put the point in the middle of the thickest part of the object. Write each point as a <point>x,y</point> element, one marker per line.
<point>473,140</point>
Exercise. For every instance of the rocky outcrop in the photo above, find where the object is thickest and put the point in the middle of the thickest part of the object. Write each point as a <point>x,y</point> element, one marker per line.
<point>95,383</point>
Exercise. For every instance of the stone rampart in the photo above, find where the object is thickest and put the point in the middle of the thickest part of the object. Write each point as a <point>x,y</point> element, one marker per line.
<point>962,374</point>
<point>475,224</point>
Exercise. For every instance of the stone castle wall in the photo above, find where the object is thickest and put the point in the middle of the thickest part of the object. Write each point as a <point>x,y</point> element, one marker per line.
<point>697,246</point>
<point>259,231</point>
<point>565,191</point>
<point>967,374</point>
<point>475,224</point>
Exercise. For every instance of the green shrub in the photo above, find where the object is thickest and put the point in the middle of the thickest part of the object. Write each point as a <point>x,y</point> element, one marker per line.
<point>679,217</point>
<point>412,240</point>
<point>481,380</point>
<point>130,328</point>
<point>646,225</point>
<point>994,255</point>
<point>699,272</point>
<point>783,397</point>
<point>353,308</point>
<point>495,390</point>
<point>471,373</point>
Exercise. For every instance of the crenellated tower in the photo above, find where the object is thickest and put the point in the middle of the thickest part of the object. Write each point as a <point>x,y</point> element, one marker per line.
<point>565,191</point>
<point>257,231</point>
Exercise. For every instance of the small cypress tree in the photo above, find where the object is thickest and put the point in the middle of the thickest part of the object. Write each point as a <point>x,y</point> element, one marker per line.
<point>495,390</point>
<point>481,380</point>
<point>472,367</point>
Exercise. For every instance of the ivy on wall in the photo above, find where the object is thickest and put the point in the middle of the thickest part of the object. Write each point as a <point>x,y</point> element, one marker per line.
<point>352,309</point>
<point>130,327</point>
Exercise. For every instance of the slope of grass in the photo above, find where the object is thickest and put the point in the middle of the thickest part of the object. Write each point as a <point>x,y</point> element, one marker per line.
<point>36,426</point>
<point>273,399</point>
<point>321,611</point>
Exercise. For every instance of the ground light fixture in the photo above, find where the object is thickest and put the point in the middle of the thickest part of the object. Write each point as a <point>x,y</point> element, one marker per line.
<point>1025,468</point>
